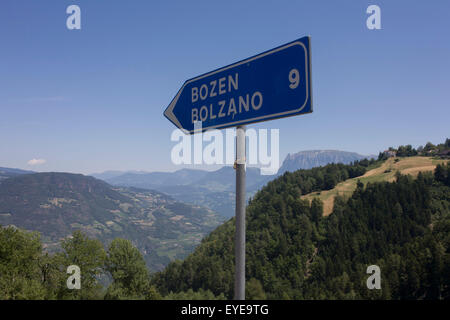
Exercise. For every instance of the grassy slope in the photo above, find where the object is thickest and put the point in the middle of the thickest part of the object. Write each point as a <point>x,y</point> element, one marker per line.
<point>385,172</point>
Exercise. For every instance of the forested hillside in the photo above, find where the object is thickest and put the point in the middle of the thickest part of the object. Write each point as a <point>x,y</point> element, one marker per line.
<point>293,252</point>
<point>57,204</point>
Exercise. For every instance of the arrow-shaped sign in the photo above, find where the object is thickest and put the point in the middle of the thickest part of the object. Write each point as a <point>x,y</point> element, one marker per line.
<point>270,85</point>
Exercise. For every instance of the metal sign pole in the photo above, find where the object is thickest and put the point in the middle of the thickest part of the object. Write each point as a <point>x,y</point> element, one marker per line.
<point>239,277</point>
<point>279,79</point>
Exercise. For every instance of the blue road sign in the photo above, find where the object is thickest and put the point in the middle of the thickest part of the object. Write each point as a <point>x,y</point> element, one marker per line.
<point>270,85</point>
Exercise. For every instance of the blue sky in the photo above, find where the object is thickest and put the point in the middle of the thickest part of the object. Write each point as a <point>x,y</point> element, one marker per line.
<point>91,100</point>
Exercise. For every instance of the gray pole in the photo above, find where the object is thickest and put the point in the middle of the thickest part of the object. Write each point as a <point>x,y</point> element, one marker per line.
<point>239,277</point>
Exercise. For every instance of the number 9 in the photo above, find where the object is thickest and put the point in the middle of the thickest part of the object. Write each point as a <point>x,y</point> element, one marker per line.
<point>294,78</point>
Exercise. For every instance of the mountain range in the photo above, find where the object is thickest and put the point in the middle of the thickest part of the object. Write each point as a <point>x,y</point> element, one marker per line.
<point>216,189</point>
<point>164,214</point>
<point>6,173</point>
<point>317,158</point>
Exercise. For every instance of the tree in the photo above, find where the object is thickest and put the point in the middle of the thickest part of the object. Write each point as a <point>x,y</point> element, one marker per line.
<point>254,290</point>
<point>129,272</point>
<point>20,276</point>
<point>429,147</point>
<point>316,209</point>
<point>406,151</point>
<point>89,256</point>
<point>54,276</point>
<point>329,181</point>
<point>441,172</point>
